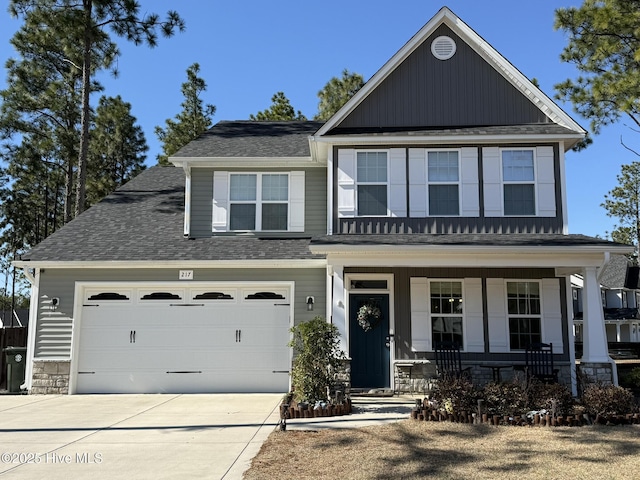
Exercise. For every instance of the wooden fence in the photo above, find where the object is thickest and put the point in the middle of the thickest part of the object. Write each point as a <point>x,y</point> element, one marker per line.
<point>10,337</point>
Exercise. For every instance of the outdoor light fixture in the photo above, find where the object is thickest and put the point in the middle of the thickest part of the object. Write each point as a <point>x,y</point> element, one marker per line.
<point>310,301</point>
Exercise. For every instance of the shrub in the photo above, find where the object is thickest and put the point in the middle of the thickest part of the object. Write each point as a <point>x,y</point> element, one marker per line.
<point>553,397</point>
<point>599,399</point>
<point>631,379</point>
<point>508,398</point>
<point>455,394</point>
<point>318,359</point>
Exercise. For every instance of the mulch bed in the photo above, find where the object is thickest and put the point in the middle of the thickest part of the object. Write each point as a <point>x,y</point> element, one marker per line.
<point>536,421</point>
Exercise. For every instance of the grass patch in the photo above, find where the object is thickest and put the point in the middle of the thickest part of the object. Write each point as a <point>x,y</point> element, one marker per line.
<point>411,450</point>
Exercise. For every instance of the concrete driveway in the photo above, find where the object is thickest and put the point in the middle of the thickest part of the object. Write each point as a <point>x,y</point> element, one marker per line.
<point>133,436</point>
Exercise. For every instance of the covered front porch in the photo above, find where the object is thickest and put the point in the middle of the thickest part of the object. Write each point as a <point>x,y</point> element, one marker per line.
<point>393,297</point>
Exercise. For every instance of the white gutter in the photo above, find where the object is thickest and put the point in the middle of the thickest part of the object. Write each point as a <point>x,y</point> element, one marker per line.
<point>187,200</point>
<point>180,264</point>
<point>439,139</point>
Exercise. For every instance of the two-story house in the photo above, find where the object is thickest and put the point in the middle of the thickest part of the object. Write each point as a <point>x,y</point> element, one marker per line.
<point>431,207</point>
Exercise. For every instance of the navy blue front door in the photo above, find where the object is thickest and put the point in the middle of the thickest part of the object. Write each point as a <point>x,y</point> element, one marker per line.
<point>367,346</point>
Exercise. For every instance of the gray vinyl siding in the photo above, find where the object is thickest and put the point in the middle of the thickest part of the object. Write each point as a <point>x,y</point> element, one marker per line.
<point>402,305</point>
<point>426,92</point>
<point>458,224</point>
<point>54,328</point>
<point>202,199</point>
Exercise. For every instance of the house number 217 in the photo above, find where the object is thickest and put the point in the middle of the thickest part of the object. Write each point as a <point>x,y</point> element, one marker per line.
<point>186,275</point>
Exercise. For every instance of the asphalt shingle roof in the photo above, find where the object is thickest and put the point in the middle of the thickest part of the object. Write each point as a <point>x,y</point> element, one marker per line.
<point>252,139</point>
<point>143,220</point>
<point>500,130</point>
<point>462,239</point>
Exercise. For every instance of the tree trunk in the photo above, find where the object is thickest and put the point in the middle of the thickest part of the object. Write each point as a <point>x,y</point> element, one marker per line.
<point>85,117</point>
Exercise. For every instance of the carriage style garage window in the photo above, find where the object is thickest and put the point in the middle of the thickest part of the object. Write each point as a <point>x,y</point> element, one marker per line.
<point>258,201</point>
<point>523,308</point>
<point>446,312</point>
<point>518,176</point>
<point>372,185</point>
<point>443,178</point>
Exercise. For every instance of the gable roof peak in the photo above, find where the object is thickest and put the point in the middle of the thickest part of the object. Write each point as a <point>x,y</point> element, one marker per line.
<point>511,74</point>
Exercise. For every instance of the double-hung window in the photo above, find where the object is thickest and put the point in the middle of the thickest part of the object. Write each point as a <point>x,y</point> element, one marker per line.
<point>372,186</point>
<point>524,312</point>
<point>518,176</point>
<point>258,201</point>
<point>443,178</point>
<point>446,312</point>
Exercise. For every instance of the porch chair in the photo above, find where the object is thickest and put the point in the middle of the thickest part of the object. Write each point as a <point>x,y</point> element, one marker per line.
<point>448,363</point>
<point>539,362</point>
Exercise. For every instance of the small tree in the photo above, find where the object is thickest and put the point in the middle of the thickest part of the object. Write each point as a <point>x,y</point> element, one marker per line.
<point>280,110</point>
<point>318,359</point>
<point>623,203</point>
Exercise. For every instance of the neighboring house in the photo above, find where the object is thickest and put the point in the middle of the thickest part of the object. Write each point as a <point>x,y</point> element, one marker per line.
<point>436,197</point>
<point>20,317</point>
<point>620,301</point>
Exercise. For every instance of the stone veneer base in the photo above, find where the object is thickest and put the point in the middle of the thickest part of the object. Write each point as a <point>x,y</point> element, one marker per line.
<point>50,377</point>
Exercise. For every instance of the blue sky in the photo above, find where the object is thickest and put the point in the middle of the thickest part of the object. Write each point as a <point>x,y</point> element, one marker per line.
<point>250,49</point>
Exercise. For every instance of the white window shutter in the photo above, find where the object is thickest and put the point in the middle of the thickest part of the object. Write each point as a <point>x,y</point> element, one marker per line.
<point>417,183</point>
<point>220,201</point>
<point>474,326</point>
<point>346,183</point>
<point>492,177</point>
<point>470,182</point>
<point>497,311</point>
<point>296,201</point>
<point>546,191</point>
<point>420,331</point>
<point>397,182</point>
<point>552,314</point>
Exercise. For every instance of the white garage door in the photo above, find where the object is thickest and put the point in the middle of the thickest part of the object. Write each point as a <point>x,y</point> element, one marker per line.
<point>171,339</point>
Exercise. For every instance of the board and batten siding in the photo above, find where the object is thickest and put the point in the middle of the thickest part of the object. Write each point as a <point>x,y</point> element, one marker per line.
<point>410,316</point>
<point>462,91</point>
<point>54,327</point>
<point>481,209</point>
<point>315,221</point>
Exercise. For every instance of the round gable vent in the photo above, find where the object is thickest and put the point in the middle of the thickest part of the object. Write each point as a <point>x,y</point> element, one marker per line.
<point>443,48</point>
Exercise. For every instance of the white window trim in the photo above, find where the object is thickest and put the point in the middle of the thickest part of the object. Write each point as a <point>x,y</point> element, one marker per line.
<point>430,315</point>
<point>358,183</point>
<point>429,183</point>
<point>508,315</point>
<point>258,202</point>
<point>533,182</point>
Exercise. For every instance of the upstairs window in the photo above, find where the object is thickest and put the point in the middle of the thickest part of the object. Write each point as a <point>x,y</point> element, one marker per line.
<point>258,201</point>
<point>443,178</point>
<point>519,182</point>
<point>372,191</point>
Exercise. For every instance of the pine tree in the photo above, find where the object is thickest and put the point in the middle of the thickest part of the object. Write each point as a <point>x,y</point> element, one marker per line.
<point>194,118</point>
<point>280,110</point>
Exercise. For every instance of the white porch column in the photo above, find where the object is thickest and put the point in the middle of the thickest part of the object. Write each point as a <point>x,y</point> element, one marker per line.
<point>338,306</point>
<point>594,334</point>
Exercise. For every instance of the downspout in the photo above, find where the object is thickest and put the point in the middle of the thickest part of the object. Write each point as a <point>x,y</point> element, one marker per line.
<point>187,200</point>
<point>34,280</point>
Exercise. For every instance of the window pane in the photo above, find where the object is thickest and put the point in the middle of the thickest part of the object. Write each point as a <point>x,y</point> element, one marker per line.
<point>243,187</point>
<point>372,166</point>
<point>443,166</point>
<point>274,216</point>
<point>372,200</point>
<point>242,216</point>
<point>523,331</point>
<point>517,165</point>
<point>275,187</point>
<point>444,200</point>
<point>447,329</point>
<point>519,199</point>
